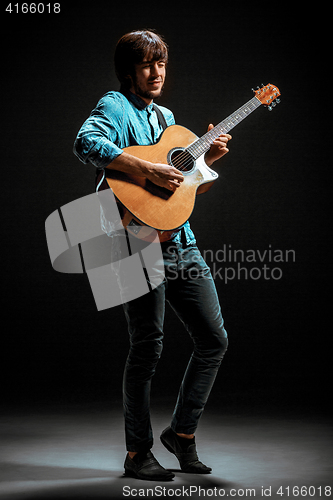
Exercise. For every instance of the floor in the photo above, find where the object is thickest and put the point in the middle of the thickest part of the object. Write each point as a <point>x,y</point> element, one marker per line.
<point>78,453</point>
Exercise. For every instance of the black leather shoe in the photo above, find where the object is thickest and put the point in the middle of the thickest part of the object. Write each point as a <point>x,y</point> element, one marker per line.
<point>145,466</point>
<point>187,455</point>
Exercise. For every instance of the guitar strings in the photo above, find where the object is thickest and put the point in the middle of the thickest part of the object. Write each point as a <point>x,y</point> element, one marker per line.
<point>202,145</point>
<point>184,159</point>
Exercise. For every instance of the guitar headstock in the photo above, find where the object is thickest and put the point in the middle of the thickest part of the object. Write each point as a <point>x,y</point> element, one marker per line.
<point>268,95</point>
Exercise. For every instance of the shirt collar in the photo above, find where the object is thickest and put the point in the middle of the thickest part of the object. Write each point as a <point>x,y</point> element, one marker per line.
<point>138,102</point>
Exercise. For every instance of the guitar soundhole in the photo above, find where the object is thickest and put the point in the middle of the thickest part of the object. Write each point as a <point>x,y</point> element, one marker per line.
<point>181,159</point>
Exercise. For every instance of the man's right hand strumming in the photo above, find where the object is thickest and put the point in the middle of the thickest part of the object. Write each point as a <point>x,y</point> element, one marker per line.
<point>165,176</point>
<point>162,174</point>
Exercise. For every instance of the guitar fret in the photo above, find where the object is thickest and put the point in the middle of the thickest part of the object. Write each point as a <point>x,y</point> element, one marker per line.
<point>203,144</point>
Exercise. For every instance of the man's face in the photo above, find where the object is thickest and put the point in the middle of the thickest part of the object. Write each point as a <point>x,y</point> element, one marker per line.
<point>149,80</point>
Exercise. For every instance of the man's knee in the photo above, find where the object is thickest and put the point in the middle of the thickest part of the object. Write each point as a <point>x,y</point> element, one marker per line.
<point>147,351</point>
<point>221,343</point>
<point>213,345</point>
<point>224,345</point>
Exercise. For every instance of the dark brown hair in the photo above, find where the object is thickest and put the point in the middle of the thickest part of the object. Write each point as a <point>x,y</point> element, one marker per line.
<point>132,48</point>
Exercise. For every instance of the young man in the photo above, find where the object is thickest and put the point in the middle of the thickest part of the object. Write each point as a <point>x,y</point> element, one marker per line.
<point>123,119</point>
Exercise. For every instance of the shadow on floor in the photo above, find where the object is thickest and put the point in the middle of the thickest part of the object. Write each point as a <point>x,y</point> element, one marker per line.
<point>49,482</point>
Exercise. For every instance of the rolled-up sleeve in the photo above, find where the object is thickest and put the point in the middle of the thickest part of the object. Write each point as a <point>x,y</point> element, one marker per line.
<point>98,137</point>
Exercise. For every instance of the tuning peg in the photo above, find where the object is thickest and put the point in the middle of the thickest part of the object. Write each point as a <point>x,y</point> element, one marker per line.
<point>269,108</point>
<point>277,101</point>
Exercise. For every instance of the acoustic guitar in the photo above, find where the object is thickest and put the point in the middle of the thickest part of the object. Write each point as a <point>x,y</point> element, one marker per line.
<point>146,207</point>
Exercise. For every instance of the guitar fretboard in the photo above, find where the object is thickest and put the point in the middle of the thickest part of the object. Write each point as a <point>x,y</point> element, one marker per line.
<point>203,144</point>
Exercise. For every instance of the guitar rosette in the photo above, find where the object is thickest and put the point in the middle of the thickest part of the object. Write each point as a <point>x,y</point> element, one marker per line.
<point>119,266</point>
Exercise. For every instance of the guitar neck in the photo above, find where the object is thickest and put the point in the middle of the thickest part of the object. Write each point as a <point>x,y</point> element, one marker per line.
<point>203,144</point>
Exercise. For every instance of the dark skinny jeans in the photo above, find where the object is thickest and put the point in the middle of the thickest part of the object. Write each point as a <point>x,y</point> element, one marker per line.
<point>189,288</point>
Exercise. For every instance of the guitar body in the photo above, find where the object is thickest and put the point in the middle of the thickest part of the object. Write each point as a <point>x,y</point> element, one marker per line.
<point>147,205</point>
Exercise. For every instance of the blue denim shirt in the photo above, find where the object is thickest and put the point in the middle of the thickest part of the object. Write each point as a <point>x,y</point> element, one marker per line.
<point>119,121</point>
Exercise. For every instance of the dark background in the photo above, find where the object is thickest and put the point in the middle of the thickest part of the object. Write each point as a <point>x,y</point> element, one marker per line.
<point>274,189</point>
